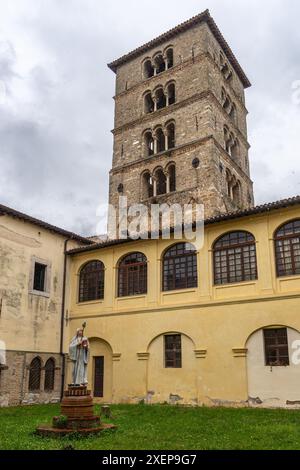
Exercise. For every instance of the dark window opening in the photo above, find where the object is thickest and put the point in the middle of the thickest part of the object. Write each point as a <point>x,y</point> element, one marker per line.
<point>161,182</point>
<point>132,278</point>
<point>39,277</point>
<point>180,267</point>
<point>91,281</point>
<point>287,249</point>
<point>98,376</point>
<point>49,374</point>
<point>149,144</point>
<point>160,99</point>
<point>147,186</point>
<point>170,58</point>
<point>171,136</point>
<point>172,177</point>
<point>160,139</point>
<point>149,103</point>
<point>160,65</point>
<point>171,94</point>
<point>35,374</point>
<point>235,258</point>
<point>148,69</point>
<point>276,347</point>
<point>173,351</point>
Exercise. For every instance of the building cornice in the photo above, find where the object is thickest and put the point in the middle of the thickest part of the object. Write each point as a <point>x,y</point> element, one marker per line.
<point>187,63</point>
<point>188,306</point>
<point>178,105</point>
<point>180,149</point>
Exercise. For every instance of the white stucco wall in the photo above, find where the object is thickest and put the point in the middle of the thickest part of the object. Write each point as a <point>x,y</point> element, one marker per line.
<point>272,385</point>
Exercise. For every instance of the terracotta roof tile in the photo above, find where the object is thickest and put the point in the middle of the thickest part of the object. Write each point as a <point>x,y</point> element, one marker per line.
<point>261,209</point>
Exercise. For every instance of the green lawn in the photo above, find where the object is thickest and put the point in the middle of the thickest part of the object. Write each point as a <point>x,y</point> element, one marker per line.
<point>161,427</point>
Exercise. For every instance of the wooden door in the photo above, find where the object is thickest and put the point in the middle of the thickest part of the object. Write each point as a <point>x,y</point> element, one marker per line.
<point>98,376</point>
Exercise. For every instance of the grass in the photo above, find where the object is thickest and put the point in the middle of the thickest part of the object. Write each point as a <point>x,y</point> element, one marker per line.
<point>160,427</point>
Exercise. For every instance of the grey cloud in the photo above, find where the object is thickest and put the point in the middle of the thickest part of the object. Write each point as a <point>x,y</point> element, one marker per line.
<point>55,140</point>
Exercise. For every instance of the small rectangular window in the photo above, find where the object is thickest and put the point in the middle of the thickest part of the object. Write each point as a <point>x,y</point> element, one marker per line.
<point>276,347</point>
<point>173,351</point>
<point>39,281</point>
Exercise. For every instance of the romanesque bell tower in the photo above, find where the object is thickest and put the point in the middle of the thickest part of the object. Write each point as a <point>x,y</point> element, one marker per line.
<point>180,132</point>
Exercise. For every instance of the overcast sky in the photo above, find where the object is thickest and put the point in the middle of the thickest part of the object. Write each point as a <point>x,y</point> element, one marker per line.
<point>56,107</point>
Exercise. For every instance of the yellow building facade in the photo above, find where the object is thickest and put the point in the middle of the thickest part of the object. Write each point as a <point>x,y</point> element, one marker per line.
<point>221,326</point>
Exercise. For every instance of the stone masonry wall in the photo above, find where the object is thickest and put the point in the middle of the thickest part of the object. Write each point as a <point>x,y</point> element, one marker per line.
<point>14,379</point>
<point>199,119</point>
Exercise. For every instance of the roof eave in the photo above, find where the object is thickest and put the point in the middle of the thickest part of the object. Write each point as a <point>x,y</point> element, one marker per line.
<point>202,17</point>
<point>261,209</point>
<point>4,210</point>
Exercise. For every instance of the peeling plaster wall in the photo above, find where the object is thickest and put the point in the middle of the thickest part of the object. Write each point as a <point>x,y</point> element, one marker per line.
<point>177,385</point>
<point>271,386</point>
<point>29,323</point>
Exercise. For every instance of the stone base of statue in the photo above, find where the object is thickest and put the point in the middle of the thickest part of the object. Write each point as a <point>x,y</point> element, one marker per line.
<point>77,415</point>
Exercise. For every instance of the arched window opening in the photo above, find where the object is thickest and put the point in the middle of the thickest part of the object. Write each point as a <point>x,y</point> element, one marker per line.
<point>235,258</point>
<point>236,193</point>
<point>160,140</point>
<point>148,69</point>
<point>91,281</point>
<point>223,96</point>
<point>227,103</point>
<point>228,183</point>
<point>287,249</point>
<point>180,267</point>
<point>234,150</point>
<point>171,94</point>
<point>147,186</point>
<point>172,178</point>
<point>224,67</point>
<point>170,129</point>
<point>159,64</point>
<point>148,103</point>
<point>49,374</point>
<point>132,275</point>
<point>160,99</point>
<point>149,144</point>
<point>226,139</point>
<point>35,374</point>
<point>222,59</point>
<point>173,351</point>
<point>161,182</point>
<point>232,113</point>
<point>170,58</point>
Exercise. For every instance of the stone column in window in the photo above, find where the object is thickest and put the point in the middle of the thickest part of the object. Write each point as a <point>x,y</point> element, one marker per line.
<point>154,186</point>
<point>167,97</point>
<point>167,182</point>
<point>155,101</point>
<point>155,144</point>
<point>166,133</point>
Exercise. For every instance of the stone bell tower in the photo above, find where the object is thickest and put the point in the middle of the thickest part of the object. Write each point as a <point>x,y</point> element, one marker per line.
<point>180,132</point>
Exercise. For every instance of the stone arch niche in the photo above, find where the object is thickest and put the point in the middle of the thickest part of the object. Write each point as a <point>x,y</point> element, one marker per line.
<point>272,386</point>
<point>172,385</point>
<point>100,348</point>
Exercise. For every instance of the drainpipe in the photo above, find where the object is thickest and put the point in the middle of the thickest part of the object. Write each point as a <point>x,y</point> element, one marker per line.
<point>62,321</point>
